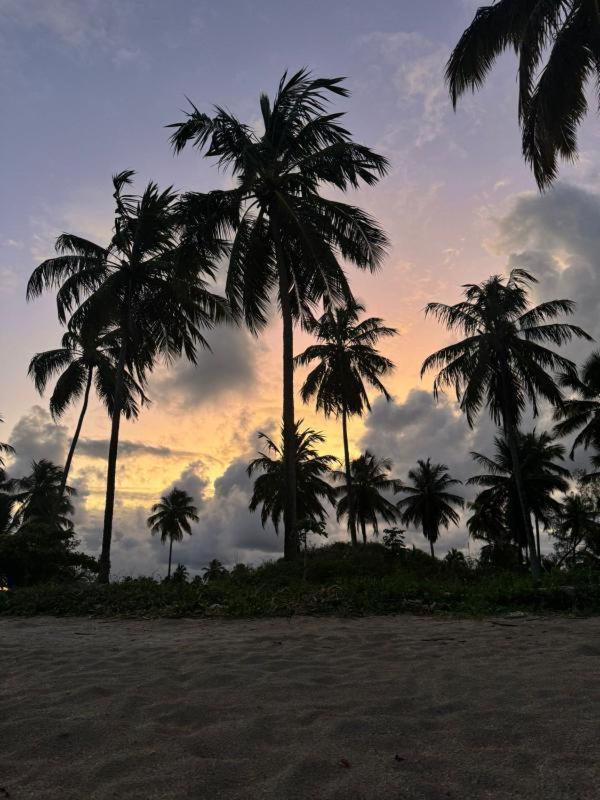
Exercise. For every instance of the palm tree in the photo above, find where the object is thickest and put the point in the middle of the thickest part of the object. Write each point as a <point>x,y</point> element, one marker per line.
<point>312,471</point>
<point>365,503</point>
<point>146,288</point>
<point>83,355</point>
<point>5,450</point>
<point>171,518</point>
<point>542,478</point>
<point>287,237</point>
<point>577,523</point>
<point>429,504</point>
<point>38,500</point>
<point>502,363</point>
<point>582,412</point>
<point>488,523</point>
<point>347,359</point>
<point>556,44</point>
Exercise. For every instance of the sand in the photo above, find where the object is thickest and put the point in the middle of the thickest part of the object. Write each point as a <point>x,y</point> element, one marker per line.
<point>379,708</point>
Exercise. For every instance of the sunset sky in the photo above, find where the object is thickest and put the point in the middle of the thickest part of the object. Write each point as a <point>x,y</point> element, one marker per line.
<point>87,87</point>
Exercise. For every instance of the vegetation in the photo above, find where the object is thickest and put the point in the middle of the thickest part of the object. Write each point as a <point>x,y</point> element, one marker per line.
<point>172,517</point>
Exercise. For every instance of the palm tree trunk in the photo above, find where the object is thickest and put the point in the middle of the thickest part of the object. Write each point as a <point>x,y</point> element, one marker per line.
<point>170,555</point>
<point>290,546</point>
<point>363,529</point>
<point>75,438</point>
<point>351,520</point>
<point>113,448</point>
<point>537,536</point>
<point>431,549</point>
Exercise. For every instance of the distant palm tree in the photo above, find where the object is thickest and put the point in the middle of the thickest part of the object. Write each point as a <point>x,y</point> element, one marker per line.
<point>288,238</point>
<point>347,359</point>
<point>312,472</point>
<point>366,503</point>
<point>146,288</point>
<point>5,450</point>
<point>577,523</point>
<point>37,497</point>
<point>214,571</point>
<point>488,523</point>
<point>171,518</point>
<point>82,354</point>
<point>582,412</point>
<point>429,504</point>
<point>502,363</point>
<point>542,478</point>
<point>556,42</point>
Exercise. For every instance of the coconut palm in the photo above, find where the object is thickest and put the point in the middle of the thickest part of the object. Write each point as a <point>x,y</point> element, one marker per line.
<point>429,505</point>
<point>543,477</point>
<point>581,413</point>
<point>346,360</point>
<point>288,239</point>
<point>365,503</point>
<point>84,355</point>
<point>577,523</point>
<point>312,472</point>
<point>147,288</point>
<point>5,450</point>
<point>488,524</point>
<point>37,497</point>
<point>172,517</point>
<point>502,364</point>
<point>556,44</point>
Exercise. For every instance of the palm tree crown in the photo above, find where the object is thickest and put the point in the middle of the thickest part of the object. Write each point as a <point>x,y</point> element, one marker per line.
<point>556,43</point>
<point>312,471</point>
<point>581,412</point>
<point>366,503</point>
<point>429,504</point>
<point>38,499</point>
<point>172,517</point>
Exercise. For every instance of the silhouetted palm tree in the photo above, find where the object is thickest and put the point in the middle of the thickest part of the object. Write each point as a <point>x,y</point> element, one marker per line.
<point>581,413</point>
<point>287,237</point>
<point>577,523</point>
<point>347,359</point>
<point>556,42</point>
<point>312,472</point>
<point>5,450</point>
<point>542,478</point>
<point>502,364</point>
<point>214,571</point>
<point>172,517</point>
<point>488,523</point>
<point>38,500</point>
<point>365,503</point>
<point>83,355</point>
<point>146,288</point>
<point>429,505</point>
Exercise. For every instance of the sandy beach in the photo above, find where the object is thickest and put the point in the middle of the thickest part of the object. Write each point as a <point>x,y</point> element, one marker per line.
<point>375,708</point>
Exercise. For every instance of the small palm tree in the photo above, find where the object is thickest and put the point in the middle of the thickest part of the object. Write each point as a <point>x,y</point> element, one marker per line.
<point>577,523</point>
<point>214,571</point>
<point>347,359</point>
<point>556,43</point>
<point>83,355</point>
<point>502,364</point>
<point>288,238</point>
<point>146,288</point>
<point>581,413</point>
<point>38,500</point>
<point>366,503</point>
<point>171,518</point>
<point>5,450</point>
<point>429,504</point>
<point>488,524</point>
<point>542,478</point>
<point>312,472</point>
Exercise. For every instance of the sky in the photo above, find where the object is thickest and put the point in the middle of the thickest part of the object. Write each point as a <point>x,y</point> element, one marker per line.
<point>87,87</point>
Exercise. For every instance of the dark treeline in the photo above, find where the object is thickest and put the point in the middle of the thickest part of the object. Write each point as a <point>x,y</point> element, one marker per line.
<point>146,297</point>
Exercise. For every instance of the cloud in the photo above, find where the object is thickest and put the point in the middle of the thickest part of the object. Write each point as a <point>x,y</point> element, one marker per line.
<point>36,436</point>
<point>98,448</point>
<point>229,366</point>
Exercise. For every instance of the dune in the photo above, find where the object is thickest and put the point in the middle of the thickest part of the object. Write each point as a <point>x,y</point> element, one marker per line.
<point>311,708</point>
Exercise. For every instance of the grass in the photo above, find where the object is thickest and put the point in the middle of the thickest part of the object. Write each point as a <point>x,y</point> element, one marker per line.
<point>335,580</point>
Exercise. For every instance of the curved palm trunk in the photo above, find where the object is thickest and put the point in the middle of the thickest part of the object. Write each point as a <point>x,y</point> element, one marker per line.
<point>290,545</point>
<point>351,520</point>
<point>113,448</point>
<point>170,556</point>
<point>75,438</point>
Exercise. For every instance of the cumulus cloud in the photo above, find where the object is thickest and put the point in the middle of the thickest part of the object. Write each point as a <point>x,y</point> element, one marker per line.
<point>36,436</point>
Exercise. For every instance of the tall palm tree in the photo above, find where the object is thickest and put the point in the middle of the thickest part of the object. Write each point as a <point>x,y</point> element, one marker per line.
<point>312,472</point>
<point>84,355</point>
<point>5,450</point>
<point>429,504</point>
<point>171,518</point>
<point>147,288</point>
<point>287,237</point>
<point>502,364</point>
<point>365,503</point>
<point>542,478</point>
<point>37,497</point>
<point>556,42</point>
<point>347,359</point>
<point>581,413</point>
